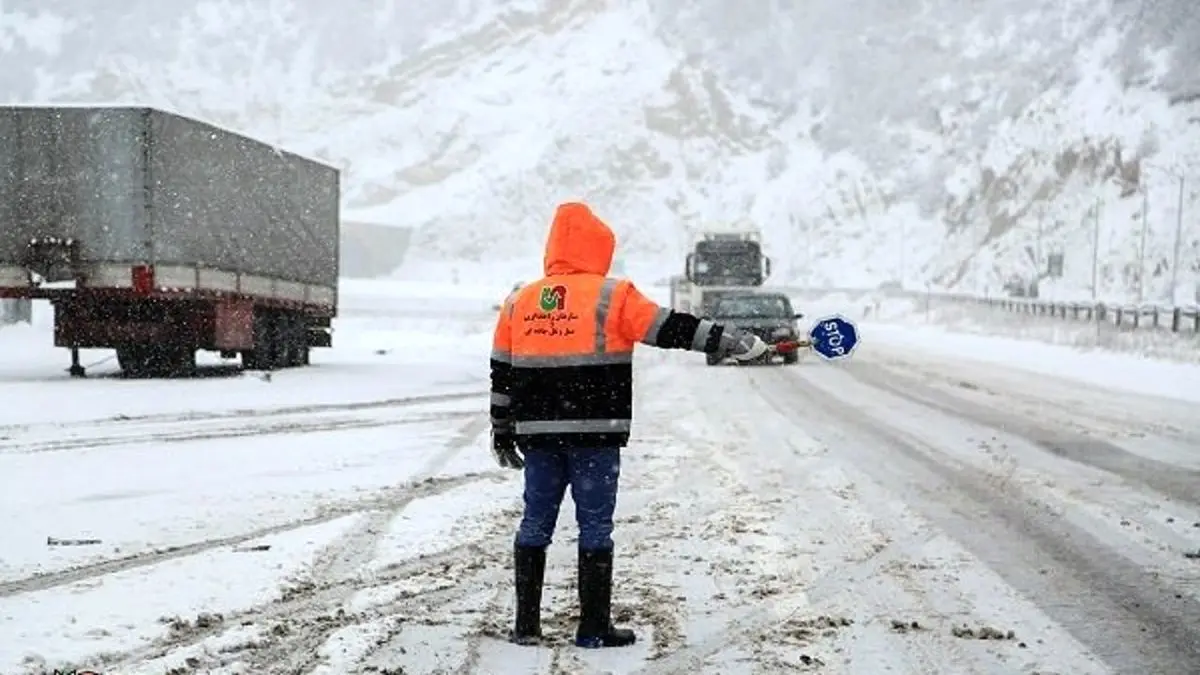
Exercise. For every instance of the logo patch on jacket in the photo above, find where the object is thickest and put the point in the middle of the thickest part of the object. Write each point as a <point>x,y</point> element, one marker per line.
<point>553,298</point>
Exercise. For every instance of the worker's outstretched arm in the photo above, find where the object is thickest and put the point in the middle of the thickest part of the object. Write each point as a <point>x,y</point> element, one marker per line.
<point>643,320</point>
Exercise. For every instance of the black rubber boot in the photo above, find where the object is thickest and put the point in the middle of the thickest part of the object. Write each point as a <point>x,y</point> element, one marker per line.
<point>530,572</point>
<point>595,604</point>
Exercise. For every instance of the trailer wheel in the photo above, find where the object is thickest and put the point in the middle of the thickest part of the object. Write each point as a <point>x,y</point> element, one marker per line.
<point>149,361</point>
<point>287,340</point>
<point>295,337</point>
<point>280,341</point>
<point>289,355</point>
<point>299,356</point>
<point>265,355</point>
<point>251,360</point>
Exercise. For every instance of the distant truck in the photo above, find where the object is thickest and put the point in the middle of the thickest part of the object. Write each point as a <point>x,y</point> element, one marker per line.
<point>158,235</point>
<point>722,261</point>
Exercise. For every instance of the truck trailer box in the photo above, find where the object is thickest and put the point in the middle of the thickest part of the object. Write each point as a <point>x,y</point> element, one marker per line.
<point>203,207</point>
<point>174,236</point>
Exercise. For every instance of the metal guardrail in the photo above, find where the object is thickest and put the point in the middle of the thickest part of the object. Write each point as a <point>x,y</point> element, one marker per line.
<point>1132,317</point>
<point>1183,319</point>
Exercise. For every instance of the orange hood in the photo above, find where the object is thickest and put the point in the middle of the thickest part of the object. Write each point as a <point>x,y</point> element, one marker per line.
<point>579,242</point>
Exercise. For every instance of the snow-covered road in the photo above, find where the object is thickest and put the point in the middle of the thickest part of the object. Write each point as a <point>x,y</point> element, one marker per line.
<point>898,513</point>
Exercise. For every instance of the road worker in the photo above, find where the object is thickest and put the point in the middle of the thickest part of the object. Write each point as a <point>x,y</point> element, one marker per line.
<point>561,406</point>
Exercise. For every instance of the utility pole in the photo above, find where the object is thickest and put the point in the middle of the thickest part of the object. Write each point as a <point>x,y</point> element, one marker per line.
<point>1141,278</point>
<point>1178,241</point>
<point>1037,255</point>
<point>1096,250</point>
<point>808,257</point>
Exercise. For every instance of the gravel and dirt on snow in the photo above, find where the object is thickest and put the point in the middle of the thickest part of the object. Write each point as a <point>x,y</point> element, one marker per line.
<point>897,513</point>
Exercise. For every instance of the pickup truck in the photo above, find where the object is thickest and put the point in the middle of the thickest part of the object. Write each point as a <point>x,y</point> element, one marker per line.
<point>768,315</point>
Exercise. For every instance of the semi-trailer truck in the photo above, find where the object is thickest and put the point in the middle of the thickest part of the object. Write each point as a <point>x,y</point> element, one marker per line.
<point>158,235</point>
<point>723,260</point>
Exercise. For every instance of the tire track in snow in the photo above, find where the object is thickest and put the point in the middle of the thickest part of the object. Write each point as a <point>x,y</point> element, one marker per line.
<point>385,502</point>
<point>7,431</point>
<point>1131,494</point>
<point>846,559</point>
<point>298,650</point>
<point>301,622</point>
<point>1151,502</point>
<point>1134,621</point>
<point>1077,404</point>
<point>1176,482</point>
<point>386,499</point>
<point>242,430</point>
<point>311,604</point>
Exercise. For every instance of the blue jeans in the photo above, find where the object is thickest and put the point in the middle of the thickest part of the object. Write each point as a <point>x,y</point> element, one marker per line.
<point>592,473</point>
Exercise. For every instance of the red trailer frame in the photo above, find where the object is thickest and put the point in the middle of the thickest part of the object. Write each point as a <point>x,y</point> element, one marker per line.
<point>157,324</point>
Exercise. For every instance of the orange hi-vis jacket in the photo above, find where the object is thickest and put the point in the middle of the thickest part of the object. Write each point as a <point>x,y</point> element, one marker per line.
<point>562,352</point>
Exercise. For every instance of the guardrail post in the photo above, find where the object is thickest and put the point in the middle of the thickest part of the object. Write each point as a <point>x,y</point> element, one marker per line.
<point>1176,315</point>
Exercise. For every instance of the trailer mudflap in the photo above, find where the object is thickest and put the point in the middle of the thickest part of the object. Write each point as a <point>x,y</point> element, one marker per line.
<point>233,325</point>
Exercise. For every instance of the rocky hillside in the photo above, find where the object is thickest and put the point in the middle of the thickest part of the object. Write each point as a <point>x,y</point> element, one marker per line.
<point>870,141</point>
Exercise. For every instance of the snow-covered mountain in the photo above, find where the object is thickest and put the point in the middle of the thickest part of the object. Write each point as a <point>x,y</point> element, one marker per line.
<point>870,140</point>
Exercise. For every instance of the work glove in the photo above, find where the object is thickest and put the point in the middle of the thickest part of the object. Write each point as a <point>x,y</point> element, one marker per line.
<point>504,449</point>
<point>741,345</point>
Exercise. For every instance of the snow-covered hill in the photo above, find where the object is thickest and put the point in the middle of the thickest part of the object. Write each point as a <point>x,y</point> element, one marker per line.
<point>869,140</point>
